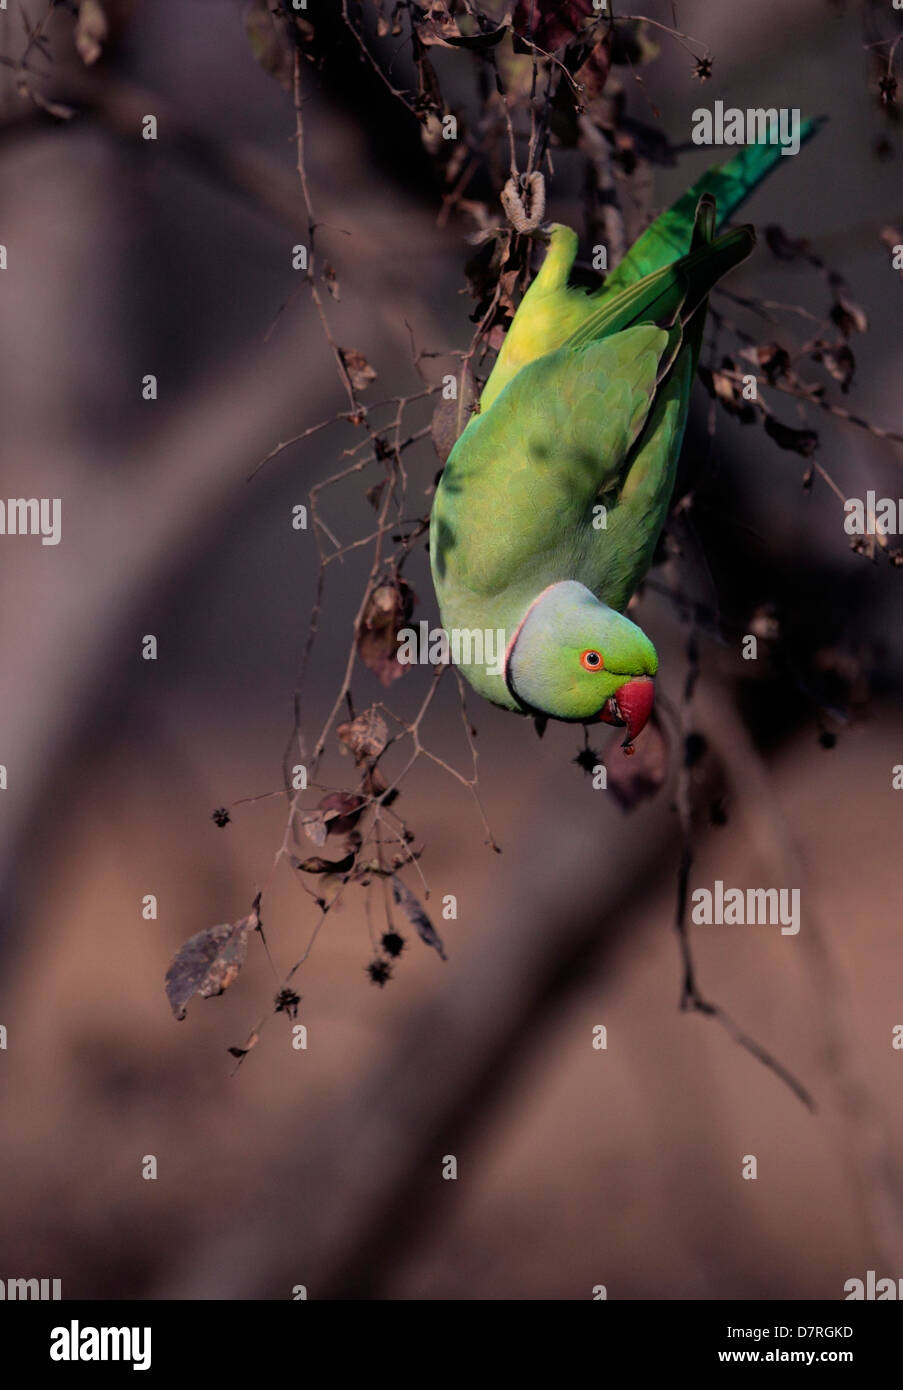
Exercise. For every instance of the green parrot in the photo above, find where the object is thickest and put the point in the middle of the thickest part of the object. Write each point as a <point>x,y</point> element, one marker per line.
<point>549,508</point>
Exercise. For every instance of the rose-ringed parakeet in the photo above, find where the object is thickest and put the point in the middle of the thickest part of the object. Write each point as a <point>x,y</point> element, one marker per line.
<point>584,410</point>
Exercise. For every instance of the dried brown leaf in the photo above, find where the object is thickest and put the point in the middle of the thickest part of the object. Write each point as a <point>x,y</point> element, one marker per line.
<point>838,361</point>
<point>450,417</point>
<point>773,359</point>
<point>208,962</point>
<point>848,316</point>
<point>413,910</point>
<point>341,810</point>
<point>784,247</point>
<point>592,74</point>
<point>317,865</point>
<point>444,32</point>
<point>799,441</point>
<point>239,1052</point>
<point>429,92</point>
<point>360,373</point>
<point>91,30</point>
<point>724,387</point>
<point>388,610</point>
<point>365,737</point>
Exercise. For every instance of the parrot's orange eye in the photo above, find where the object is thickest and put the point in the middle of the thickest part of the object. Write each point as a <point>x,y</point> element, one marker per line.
<point>591,660</point>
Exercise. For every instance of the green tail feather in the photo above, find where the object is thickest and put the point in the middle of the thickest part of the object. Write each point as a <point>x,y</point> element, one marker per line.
<point>704,228</point>
<point>730,184</point>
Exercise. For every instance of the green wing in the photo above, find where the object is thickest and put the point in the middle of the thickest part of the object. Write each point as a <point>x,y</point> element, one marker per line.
<point>551,311</point>
<point>515,503</point>
<point>552,316</point>
<point>598,421</point>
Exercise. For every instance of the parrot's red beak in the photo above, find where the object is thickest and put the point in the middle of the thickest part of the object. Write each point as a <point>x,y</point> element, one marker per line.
<point>631,706</point>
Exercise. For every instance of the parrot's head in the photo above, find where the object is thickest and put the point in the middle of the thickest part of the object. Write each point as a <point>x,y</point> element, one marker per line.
<point>575,658</point>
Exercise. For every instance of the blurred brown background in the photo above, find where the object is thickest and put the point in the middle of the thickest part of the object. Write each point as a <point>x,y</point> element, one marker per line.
<point>322,1167</point>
